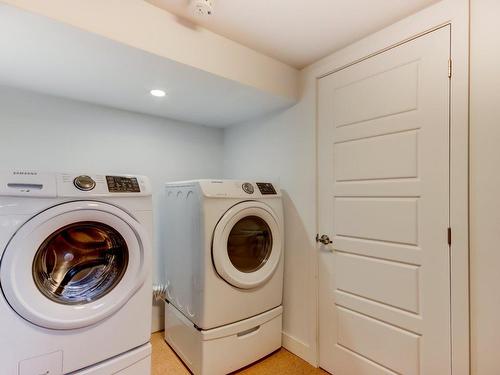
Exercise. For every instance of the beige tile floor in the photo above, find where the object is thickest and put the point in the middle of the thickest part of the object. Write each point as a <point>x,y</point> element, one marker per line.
<point>165,362</point>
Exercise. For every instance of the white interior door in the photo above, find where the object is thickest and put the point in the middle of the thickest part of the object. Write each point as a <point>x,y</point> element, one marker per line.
<point>383,157</point>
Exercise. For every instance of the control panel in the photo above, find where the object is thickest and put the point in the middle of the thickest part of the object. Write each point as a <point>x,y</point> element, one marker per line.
<point>239,189</point>
<point>120,184</point>
<point>52,185</point>
<point>266,188</point>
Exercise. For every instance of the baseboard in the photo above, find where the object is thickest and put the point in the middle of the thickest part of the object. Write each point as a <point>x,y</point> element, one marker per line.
<point>299,348</point>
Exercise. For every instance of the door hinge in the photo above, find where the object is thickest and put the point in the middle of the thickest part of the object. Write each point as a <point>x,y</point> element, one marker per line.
<point>449,68</point>
<point>449,236</point>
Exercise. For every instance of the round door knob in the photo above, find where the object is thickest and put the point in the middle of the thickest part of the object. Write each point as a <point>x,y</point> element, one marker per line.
<point>84,183</point>
<point>324,239</point>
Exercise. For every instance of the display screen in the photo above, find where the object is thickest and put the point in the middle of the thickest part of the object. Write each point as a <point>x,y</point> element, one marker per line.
<point>266,188</point>
<point>119,184</point>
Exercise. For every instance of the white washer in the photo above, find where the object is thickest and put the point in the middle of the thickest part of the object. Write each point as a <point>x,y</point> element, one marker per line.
<point>224,264</point>
<point>75,274</point>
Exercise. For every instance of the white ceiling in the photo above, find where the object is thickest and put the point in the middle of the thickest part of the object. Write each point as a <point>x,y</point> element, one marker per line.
<point>297,32</point>
<point>43,55</point>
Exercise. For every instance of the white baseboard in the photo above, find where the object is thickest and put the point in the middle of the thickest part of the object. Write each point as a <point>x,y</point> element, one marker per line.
<point>299,348</point>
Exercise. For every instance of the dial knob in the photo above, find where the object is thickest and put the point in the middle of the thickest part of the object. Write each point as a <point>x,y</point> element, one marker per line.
<point>247,188</point>
<point>84,183</point>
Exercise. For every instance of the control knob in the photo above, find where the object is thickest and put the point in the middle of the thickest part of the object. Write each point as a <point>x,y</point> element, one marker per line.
<point>247,188</point>
<point>84,183</point>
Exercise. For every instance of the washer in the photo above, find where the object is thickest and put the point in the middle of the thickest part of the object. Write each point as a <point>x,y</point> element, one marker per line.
<point>75,273</point>
<point>223,242</point>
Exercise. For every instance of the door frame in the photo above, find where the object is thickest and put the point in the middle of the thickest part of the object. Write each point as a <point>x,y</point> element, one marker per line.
<point>456,14</point>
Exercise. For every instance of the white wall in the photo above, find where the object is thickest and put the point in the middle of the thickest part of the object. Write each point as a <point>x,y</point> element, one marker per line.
<point>485,187</point>
<point>53,134</point>
<point>281,148</point>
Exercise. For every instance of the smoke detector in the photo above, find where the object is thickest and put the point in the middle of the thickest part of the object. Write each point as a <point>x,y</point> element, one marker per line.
<point>203,7</point>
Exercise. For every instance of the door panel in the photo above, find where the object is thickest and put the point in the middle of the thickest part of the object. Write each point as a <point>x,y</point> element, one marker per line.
<point>393,348</point>
<point>373,158</point>
<point>382,94</point>
<point>378,278</point>
<point>383,154</point>
<point>385,219</point>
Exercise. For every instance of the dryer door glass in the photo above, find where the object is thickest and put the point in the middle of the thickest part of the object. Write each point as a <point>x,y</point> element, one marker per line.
<point>249,244</point>
<point>80,263</point>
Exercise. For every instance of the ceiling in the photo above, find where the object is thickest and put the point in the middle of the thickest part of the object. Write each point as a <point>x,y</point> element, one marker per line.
<point>43,55</point>
<point>297,32</point>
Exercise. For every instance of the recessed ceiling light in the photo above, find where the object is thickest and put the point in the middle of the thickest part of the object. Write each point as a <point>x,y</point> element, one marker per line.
<point>158,93</point>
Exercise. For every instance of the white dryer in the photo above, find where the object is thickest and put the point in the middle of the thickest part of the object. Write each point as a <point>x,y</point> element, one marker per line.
<point>224,268</point>
<point>75,274</point>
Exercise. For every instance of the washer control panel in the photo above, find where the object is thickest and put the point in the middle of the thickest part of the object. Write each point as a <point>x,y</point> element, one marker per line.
<point>120,184</point>
<point>247,188</point>
<point>266,188</point>
<point>84,183</point>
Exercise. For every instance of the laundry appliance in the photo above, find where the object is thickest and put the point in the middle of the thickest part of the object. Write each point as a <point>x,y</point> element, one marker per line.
<point>224,267</point>
<point>75,274</point>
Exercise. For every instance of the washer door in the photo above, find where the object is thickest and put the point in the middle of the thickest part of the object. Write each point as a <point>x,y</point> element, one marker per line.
<point>74,264</point>
<point>246,246</point>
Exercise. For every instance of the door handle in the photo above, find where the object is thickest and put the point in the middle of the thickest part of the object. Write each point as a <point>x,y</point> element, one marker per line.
<point>324,239</point>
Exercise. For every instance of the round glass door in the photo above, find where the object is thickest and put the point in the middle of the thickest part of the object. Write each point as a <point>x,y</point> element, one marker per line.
<point>249,244</point>
<point>80,263</point>
<point>74,264</point>
<point>246,246</point>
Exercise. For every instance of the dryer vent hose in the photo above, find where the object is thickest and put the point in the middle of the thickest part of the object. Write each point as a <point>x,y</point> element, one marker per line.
<point>160,292</point>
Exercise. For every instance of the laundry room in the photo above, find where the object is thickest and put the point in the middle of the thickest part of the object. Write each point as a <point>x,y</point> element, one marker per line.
<point>249,187</point>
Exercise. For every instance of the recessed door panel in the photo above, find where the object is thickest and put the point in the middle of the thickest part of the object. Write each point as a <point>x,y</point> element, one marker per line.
<point>373,96</point>
<point>380,343</point>
<point>387,219</point>
<point>379,157</point>
<point>386,282</point>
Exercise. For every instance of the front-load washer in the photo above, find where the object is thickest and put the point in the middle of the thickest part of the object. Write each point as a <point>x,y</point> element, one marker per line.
<point>223,241</point>
<point>75,274</point>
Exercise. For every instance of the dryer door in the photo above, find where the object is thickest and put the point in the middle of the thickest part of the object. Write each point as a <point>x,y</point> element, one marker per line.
<point>247,245</point>
<point>74,264</point>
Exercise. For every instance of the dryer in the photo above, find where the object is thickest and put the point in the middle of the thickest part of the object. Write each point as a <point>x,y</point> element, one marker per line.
<point>75,273</point>
<point>223,241</point>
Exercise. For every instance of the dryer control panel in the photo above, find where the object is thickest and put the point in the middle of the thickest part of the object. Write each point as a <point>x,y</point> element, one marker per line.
<point>120,184</point>
<point>266,188</point>
<point>239,189</point>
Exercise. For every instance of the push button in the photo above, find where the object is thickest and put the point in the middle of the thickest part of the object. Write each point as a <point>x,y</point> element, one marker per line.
<point>47,364</point>
<point>84,183</point>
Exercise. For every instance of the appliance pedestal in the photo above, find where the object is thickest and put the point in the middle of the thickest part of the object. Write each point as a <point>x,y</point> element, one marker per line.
<point>135,362</point>
<point>223,349</point>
